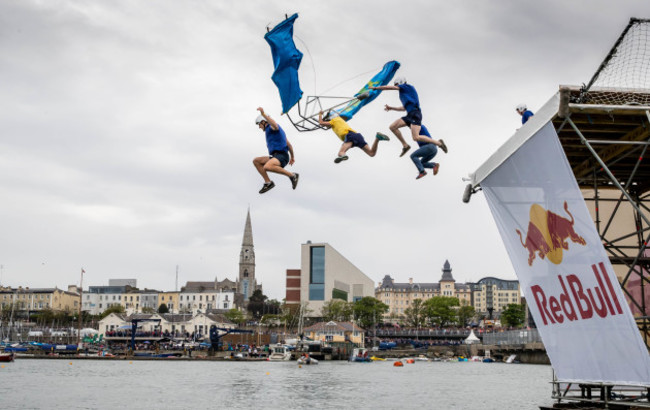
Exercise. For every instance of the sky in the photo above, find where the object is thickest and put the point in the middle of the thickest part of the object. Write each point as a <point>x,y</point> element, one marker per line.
<point>127,133</point>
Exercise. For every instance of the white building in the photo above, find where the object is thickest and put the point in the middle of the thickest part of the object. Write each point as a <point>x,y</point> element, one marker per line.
<point>206,300</point>
<point>324,275</point>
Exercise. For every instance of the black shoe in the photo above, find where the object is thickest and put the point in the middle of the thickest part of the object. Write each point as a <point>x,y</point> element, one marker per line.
<point>341,158</point>
<point>267,187</point>
<point>294,180</point>
<point>405,150</point>
<point>443,146</point>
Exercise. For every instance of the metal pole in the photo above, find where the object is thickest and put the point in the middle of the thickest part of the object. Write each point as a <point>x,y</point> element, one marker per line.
<point>80,304</point>
<point>607,171</point>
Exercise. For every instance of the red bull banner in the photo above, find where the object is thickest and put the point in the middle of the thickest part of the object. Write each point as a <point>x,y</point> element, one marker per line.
<point>569,284</point>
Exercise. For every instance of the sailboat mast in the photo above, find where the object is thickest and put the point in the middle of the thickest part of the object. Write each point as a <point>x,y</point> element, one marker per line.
<point>81,283</point>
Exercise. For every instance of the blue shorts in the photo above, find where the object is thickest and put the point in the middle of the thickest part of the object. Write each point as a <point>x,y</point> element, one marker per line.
<point>413,118</point>
<point>356,139</point>
<point>282,156</point>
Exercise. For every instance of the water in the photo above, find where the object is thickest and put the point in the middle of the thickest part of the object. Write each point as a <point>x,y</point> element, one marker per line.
<point>91,384</point>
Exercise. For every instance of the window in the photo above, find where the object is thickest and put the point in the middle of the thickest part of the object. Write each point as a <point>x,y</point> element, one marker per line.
<point>317,273</point>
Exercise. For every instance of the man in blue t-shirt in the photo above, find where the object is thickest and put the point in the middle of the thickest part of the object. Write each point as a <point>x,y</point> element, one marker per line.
<point>413,119</point>
<point>422,156</point>
<point>524,112</point>
<point>280,152</point>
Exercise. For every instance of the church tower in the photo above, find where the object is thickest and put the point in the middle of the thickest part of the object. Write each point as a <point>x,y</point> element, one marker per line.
<point>246,283</point>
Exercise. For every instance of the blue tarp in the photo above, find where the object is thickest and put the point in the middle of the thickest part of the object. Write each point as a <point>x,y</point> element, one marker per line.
<point>381,78</point>
<point>286,60</point>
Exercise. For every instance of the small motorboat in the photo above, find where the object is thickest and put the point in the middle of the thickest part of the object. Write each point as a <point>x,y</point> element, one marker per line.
<point>279,353</point>
<point>377,359</point>
<point>6,357</point>
<point>359,354</point>
<point>306,359</point>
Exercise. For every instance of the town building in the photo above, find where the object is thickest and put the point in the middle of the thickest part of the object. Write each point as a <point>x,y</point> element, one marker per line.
<point>116,326</point>
<point>25,301</point>
<point>169,299</point>
<point>334,332</point>
<point>99,298</point>
<point>491,295</point>
<point>400,296</point>
<point>324,275</point>
<point>206,297</point>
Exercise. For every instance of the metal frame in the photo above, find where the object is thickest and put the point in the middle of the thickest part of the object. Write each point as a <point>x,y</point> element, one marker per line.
<point>309,112</point>
<point>635,258</point>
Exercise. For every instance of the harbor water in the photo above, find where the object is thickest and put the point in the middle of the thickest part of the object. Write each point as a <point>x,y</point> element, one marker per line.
<point>165,384</point>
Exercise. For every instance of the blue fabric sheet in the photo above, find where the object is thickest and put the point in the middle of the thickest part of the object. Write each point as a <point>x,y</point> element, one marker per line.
<point>381,78</point>
<point>286,60</point>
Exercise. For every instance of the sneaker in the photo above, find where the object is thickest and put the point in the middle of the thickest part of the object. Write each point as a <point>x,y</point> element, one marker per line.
<point>382,137</point>
<point>405,150</point>
<point>267,187</point>
<point>423,173</point>
<point>294,180</point>
<point>443,146</point>
<point>341,158</point>
<point>436,168</point>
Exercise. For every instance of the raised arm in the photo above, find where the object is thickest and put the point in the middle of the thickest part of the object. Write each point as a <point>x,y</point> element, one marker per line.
<point>320,120</point>
<point>272,123</point>
<point>385,87</point>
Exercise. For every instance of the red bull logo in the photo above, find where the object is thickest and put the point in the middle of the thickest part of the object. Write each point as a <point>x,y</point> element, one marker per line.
<point>548,234</point>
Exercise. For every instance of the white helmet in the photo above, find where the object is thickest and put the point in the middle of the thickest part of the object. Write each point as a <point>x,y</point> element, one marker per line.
<point>399,80</point>
<point>332,114</point>
<point>259,119</point>
<point>522,107</point>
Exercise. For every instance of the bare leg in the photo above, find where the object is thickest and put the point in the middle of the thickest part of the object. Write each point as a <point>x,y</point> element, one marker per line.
<point>259,163</point>
<point>394,127</point>
<point>273,165</point>
<point>344,148</point>
<point>371,151</point>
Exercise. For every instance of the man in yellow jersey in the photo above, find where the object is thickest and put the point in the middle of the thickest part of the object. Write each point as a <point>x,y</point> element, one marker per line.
<point>350,137</point>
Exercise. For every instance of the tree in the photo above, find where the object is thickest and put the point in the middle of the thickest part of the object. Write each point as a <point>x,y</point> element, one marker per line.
<point>112,309</point>
<point>465,313</point>
<point>257,304</point>
<point>440,310</point>
<point>368,310</point>
<point>416,313</point>
<point>148,309</point>
<point>513,315</point>
<point>337,310</point>
<point>235,316</point>
<point>163,308</point>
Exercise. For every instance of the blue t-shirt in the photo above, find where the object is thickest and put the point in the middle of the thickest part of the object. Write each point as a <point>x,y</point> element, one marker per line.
<point>424,131</point>
<point>276,140</point>
<point>409,97</point>
<point>526,116</point>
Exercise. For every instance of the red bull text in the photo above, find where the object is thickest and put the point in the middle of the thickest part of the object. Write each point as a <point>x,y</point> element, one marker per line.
<point>576,302</point>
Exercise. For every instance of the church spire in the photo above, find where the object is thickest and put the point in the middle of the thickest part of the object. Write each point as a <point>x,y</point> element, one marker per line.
<point>248,231</point>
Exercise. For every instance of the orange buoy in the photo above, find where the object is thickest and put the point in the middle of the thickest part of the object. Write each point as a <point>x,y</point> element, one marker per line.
<point>410,360</point>
<point>398,364</point>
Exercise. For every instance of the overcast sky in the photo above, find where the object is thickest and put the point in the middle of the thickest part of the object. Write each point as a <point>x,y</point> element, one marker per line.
<point>127,133</point>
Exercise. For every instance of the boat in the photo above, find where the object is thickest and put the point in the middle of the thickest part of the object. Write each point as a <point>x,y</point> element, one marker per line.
<point>279,353</point>
<point>377,359</point>
<point>306,359</point>
<point>6,357</point>
<point>359,354</point>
